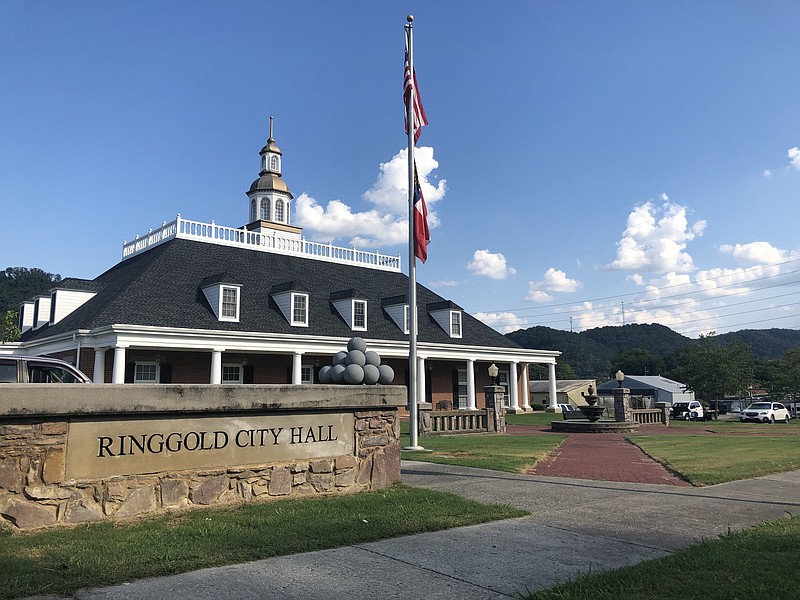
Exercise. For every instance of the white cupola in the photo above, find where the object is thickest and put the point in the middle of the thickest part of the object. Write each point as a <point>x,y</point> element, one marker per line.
<point>269,196</point>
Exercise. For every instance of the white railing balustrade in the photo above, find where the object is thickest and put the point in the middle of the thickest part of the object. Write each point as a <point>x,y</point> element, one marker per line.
<point>265,242</point>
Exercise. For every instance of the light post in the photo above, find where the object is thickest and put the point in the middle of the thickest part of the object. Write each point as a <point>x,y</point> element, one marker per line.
<point>620,377</point>
<point>493,372</point>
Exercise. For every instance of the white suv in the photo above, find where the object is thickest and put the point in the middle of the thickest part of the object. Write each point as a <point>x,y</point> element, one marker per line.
<point>766,412</point>
<point>38,369</point>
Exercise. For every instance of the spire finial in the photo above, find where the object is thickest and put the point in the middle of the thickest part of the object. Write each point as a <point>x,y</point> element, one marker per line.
<point>271,139</point>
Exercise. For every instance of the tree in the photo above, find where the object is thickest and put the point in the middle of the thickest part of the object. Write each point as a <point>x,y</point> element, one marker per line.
<point>18,284</point>
<point>9,332</point>
<point>563,371</point>
<point>785,376</point>
<point>712,370</point>
<point>636,361</point>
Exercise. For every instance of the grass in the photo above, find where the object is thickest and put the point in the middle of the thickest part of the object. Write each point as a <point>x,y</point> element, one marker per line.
<point>512,454</point>
<point>708,460</point>
<point>756,563</point>
<point>63,561</point>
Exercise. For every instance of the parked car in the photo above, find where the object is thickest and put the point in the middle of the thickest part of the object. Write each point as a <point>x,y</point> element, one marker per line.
<point>766,412</point>
<point>566,407</point>
<point>38,369</point>
<point>691,410</point>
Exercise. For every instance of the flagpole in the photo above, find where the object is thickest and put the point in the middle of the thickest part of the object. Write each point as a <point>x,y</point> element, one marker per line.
<point>413,382</point>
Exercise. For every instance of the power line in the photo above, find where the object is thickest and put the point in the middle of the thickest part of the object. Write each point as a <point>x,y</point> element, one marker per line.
<point>666,287</point>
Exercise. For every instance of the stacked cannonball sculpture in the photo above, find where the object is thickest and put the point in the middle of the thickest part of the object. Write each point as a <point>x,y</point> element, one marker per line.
<point>356,366</point>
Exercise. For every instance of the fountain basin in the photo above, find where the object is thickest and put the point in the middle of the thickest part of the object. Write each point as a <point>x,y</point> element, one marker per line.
<point>584,426</point>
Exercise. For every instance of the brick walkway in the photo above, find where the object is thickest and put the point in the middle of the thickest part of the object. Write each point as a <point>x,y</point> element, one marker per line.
<point>604,457</point>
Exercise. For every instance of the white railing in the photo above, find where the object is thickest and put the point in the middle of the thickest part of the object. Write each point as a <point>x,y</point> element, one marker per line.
<point>265,242</point>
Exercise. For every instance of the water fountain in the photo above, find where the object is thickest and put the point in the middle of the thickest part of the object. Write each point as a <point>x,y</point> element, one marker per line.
<point>591,422</point>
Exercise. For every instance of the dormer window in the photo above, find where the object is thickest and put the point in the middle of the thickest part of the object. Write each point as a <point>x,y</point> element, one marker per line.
<point>455,324</point>
<point>230,304</point>
<point>360,314</point>
<point>223,296</point>
<point>352,307</point>
<point>449,317</point>
<point>398,309</point>
<point>292,302</point>
<point>300,309</point>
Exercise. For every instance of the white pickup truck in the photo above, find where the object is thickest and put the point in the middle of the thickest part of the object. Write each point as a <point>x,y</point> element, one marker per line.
<point>691,411</point>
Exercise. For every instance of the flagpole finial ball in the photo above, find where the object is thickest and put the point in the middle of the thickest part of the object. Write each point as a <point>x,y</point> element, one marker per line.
<point>410,18</point>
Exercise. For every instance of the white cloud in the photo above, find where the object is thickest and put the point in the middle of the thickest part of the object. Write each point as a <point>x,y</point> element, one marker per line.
<point>490,264</point>
<point>757,253</point>
<point>655,239</point>
<point>794,157</point>
<point>389,193</point>
<point>767,173</point>
<point>554,281</point>
<point>386,224</point>
<point>504,322</point>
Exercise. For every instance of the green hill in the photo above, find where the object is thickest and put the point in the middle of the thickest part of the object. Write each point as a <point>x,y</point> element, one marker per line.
<point>590,353</point>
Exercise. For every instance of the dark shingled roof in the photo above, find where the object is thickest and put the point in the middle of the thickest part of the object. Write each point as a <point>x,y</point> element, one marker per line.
<point>161,287</point>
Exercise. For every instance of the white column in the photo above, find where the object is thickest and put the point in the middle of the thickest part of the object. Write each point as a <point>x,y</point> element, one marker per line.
<point>471,384</point>
<point>513,388</point>
<point>118,374</point>
<point>297,368</point>
<point>216,367</point>
<point>421,381</point>
<point>99,374</point>
<point>526,392</point>
<point>552,378</point>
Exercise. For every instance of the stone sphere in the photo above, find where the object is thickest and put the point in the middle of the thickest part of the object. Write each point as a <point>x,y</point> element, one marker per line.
<point>325,374</point>
<point>339,358</point>
<point>337,373</point>
<point>371,374</point>
<point>357,343</point>
<point>356,357</point>
<point>354,374</point>
<point>373,358</point>
<point>386,374</point>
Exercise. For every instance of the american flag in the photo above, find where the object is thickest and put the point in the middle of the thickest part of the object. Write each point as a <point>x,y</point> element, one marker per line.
<point>422,236</point>
<point>411,94</point>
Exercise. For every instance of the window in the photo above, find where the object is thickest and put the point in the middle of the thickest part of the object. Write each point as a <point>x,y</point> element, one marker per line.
<point>253,212</point>
<point>230,303</point>
<point>359,314</point>
<point>279,210</point>
<point>273,163</point>
<point>265,208</point>
<point>263,162</point>
<point>455,324</point>
<point>502,379</point>
<point>460,401</point>
<point>307,374</point>
<point>8,371</point>
<point>146,372</point>
<point>299,309</point>
<point>232,373</point>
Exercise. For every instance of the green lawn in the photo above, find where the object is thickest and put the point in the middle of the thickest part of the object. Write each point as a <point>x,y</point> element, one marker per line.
<point>759,564</point>
<point>513,454</point>
<point>711,459</point>
<point>63,561</point>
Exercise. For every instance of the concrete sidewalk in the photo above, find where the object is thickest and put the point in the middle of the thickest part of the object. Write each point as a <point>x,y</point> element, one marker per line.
<point>576,526</point>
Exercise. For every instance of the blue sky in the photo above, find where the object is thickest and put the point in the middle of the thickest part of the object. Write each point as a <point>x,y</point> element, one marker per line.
<point>585,162</point>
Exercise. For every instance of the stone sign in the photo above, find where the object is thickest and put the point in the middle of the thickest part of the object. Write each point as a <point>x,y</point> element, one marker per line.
<point>100,449</point>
